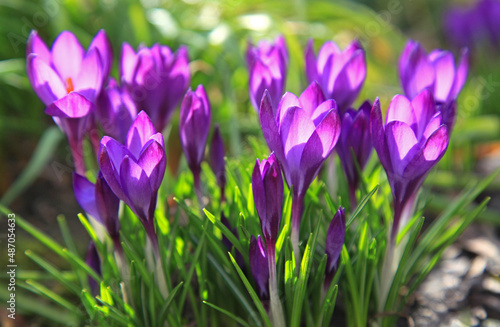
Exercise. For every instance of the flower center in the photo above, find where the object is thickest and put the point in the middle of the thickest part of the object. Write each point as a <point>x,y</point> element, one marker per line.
<point>69,85</point>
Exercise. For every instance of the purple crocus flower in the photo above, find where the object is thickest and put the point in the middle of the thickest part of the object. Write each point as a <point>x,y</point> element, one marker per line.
<point>436,71</point>
<point>135,171</point>
<point>194,125</point>
<point>116,111</point>
<point>463,26</point>
<point>99,201</point>
<point>69,87</point>
<point>412,140</point>
<point>267,64</point>
<point>259,266</point>
<point>156,79</point>
<point>340,74</point>
<point>302,135</point>
<point>355,140</point>
<point>334,243</point>
<point>267,186</point>
<point>217,163</point>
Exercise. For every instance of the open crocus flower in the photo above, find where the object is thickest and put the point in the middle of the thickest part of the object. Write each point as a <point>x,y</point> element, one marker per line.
<point>99,201</point>
<point>339,73</point>
<point>436,71</point>
<point>412,140</point>
<point>157,79</point>
<point>267,64</point>
<point>68,79</point>
<point>302,135</point>
<point>135,171</point>
<point>355,140</point>
<point>116,111</point>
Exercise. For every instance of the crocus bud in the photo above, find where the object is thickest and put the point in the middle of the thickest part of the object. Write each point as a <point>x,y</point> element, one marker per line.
<point>339,73</point>
<point>302,134</point>
<point>116,111</point>
<point>267,186</point>
<point>92,260</point>
<point>217,154</point>
<point>355,140</point>
<point>259,266</point>
<point>267,64</point>
<point>436,71</point>
<point>99,201</point>
<point>334,242</point>
<point>412,140</point>
<point>156,79</point>
<point>135,171</point>
<point>194,125</point>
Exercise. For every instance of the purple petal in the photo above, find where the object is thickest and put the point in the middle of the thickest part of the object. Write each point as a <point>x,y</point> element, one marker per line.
<point>461,76</point>
<point>139,133</point>
<point>67,55</point>
<point>273,190</point>
<point>311,98</point>
<point>424,109</point>
<point>111,154</point>
<point>436,144</point>
<point>128,63</point>
<point>287,101</point>
<point>103,44</point>
<point>153,161</point>
<point>270,128</point>
<point>335,239</point>
<point>85,195</point>
<point>108,205</point>
<point>377,132</point>
<point>135,184</point>
<point>259,266</point>
<point>417,72</point>
<point>350,80</point>
<point>258,190</point>
<point>444,65</point>
<point>45,81</point>
<point>400,109</point>
<point>402,143</point>
<point>73,105</point>
<point>310,59</point>
<point>89,80</point>
<point>36,45</point>
<point>217,154</point>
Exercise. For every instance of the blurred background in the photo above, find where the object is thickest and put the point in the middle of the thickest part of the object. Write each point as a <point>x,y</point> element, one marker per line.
<point>35,161</point>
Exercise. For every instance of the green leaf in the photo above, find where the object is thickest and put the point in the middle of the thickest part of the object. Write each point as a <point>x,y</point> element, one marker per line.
<point>230,236</point>
<point>168,301</point>
<point>234,288</point>
<point>229,314</point>
<point>300,288</point>
<point>361,205</point>
<point>252,293</point>
<point>40,289</point>
<point>49,142</point>
<point>53,271</point>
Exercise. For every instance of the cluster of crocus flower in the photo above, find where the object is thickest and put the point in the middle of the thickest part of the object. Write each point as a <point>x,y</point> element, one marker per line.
<point>472,25</point>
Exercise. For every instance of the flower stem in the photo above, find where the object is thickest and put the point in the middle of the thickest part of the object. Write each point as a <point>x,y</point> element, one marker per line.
<point>76,147</point>
<point>297,211</point>
<point>197,187</point>
<point>158,265</point>
<point>277,315</point>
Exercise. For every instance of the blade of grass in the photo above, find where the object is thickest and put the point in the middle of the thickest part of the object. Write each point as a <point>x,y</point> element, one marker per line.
<point>229,314</point>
